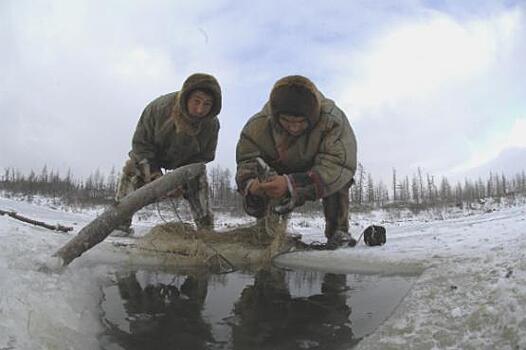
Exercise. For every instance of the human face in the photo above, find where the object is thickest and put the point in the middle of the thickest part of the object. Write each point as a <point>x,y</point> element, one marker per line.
<point>293,124</point>
<point>199,104</point>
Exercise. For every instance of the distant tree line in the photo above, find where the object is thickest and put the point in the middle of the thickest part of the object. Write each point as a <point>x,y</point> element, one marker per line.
<point>97,188</point>
<point>424,190</point>
<point>419,191</point>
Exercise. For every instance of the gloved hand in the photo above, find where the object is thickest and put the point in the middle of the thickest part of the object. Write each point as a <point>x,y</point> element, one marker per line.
<point>155,175</point>
<point>130,169</point>
<point>276,187</point>
<point>149,174</point>
<point>285,206</point>
<point>144,167</point>
<point>295,198</point>
<point>255,188</point>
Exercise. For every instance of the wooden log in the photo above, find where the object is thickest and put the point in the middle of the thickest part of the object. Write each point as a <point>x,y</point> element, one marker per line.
<point>97,230</point>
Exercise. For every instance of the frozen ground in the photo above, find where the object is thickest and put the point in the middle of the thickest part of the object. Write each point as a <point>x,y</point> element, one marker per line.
<point>471,293</point>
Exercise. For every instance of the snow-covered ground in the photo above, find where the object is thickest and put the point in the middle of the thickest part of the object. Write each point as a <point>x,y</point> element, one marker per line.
<point>470,293</point>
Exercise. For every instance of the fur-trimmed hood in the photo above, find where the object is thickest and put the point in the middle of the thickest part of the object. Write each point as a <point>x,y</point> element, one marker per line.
<point>325,154</point>
<point>296,95</point>
<point>184,122</point>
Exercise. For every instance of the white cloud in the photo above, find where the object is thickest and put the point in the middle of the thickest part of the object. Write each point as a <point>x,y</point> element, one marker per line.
<point>417,84</point>
<point>511,137</point>
<point>517,136</point>
<point>423,57</point>
<point>429,90</point>
<point>139,64</point>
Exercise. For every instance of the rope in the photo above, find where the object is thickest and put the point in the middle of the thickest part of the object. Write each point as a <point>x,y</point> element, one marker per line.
<point>315,245</point>
<point>221,258</point>
<point>359,238</point>
<point>174,207</point>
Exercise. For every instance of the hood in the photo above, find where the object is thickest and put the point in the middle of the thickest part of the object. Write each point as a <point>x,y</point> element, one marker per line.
<point>296,95</point>
<point>183,121</point>
<point>205,82</point>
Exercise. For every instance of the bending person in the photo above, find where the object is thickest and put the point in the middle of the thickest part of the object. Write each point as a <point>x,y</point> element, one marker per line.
<point>176,129</point>
<point>310,147</point>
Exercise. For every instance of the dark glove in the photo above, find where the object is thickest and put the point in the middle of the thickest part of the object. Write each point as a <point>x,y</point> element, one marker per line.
<point>295,199</point>
<point>255,206</point>
<point>155,175</point>
<point>286,206</point>
<point>255,189</point>
<point>276,186</point>
<point>148,172</point>
<point>144,167</point>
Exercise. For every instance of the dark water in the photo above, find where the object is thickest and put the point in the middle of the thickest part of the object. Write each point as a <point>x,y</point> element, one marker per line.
<point>267,309</point>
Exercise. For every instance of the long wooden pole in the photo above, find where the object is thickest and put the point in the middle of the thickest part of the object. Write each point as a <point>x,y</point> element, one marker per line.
<point>97,230</point>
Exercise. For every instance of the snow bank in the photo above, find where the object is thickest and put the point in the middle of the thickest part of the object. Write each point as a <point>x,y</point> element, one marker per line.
<point>470,293</point>
<point>38,310</point>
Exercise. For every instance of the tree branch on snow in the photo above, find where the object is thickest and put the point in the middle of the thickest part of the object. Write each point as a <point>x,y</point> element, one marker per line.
<point>56,227</point>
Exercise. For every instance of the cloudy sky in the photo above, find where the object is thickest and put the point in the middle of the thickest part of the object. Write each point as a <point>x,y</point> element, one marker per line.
<point>432,84</point>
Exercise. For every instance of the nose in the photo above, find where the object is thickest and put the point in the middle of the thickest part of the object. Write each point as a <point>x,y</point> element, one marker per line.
<point>295,127</point>
<point>200,109</point>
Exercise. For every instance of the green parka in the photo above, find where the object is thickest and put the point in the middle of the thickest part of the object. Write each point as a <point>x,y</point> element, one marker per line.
<point>167,137</point>
<point>319,162</point>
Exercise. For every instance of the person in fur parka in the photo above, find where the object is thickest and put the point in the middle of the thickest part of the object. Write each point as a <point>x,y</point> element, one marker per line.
<point>309,144</point>
<point>176,129</point>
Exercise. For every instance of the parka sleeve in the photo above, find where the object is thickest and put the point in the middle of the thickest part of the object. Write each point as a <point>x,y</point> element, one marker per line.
<point>143,145</point>
<point>249,147</point>
<point>209,150</point>
<point>334,165</point>
<point>246,153</point>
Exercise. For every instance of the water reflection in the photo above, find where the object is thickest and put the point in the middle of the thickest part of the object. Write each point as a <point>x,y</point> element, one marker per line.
<point>162,315</point>
<point>268,309</point>
<point>270,318</point>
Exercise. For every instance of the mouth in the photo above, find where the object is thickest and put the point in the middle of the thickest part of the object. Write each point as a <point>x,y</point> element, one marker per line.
<point>295,133</point>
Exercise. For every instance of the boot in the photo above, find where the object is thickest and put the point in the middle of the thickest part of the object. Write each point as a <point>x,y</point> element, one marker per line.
<point>340,239</point>
<point>205,222</point>
<point>196,193</point>
<point>122,231</point>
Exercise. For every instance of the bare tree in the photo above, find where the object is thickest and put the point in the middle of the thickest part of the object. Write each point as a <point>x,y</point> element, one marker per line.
<point>445,191</point>
<point>370,189</point>
<point>405,191</point>
<point>421,185</point>
<point>416,190</point>
<point>431,189</point>
<point>395,196</point>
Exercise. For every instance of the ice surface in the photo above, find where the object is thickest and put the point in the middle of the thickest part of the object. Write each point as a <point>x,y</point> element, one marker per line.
<point>470,293</point>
